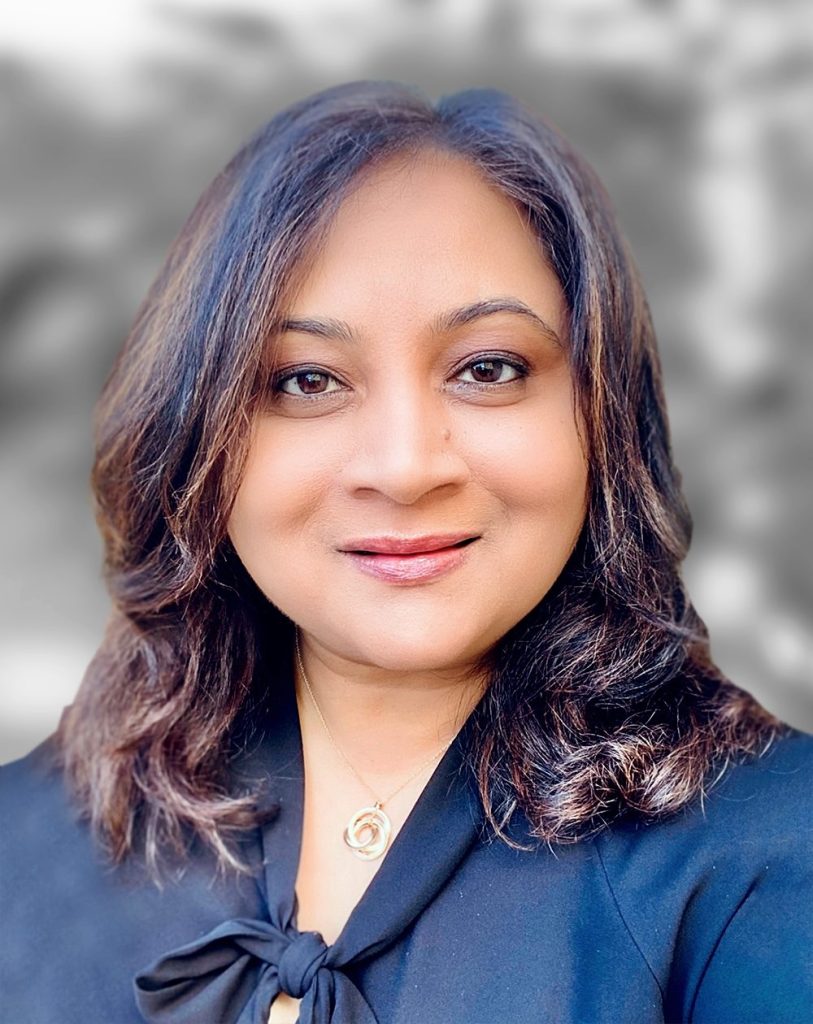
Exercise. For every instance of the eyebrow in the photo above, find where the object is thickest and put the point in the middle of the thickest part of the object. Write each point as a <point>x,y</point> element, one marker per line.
<point>327,327</point>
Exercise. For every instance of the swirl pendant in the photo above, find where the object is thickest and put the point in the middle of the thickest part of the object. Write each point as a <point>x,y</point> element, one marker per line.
<point>368,832</point>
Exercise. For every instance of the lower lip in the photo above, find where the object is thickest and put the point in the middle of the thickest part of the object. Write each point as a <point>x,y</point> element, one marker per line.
<point>406,569</point>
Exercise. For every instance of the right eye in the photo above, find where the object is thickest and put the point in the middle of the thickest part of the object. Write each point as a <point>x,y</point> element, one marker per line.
<point>307,382</point>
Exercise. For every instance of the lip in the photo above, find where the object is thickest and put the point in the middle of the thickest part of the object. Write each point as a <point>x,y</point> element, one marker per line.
<point>392,545</point>
<point>420,567</point>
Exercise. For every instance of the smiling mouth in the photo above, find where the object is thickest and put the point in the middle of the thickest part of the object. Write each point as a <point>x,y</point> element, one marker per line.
<point>416,554</point>
<point>411,568</point>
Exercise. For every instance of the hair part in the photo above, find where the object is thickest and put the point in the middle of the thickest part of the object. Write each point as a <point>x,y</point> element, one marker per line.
<point>602,702</point>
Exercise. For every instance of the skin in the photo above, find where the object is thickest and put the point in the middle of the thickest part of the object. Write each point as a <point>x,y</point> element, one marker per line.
<point>397,437</point>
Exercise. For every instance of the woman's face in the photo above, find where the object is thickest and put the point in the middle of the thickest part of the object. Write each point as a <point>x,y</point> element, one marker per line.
<point>420,389</point>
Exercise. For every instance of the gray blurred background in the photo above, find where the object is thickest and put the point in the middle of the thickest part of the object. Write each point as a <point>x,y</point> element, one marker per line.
<point>697,115</point>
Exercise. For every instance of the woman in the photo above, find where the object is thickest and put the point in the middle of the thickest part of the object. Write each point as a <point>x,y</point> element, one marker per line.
<point>403,714</point>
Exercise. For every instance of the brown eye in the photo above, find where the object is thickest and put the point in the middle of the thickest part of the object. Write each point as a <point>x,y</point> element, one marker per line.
<point>493,371</point>
<point>305,382</point>
<point>312,383</point>
<point>488,371</point>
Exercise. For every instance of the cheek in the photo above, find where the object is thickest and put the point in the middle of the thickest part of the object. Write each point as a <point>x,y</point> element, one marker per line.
<point>536,465</point>
<point>282,485</point>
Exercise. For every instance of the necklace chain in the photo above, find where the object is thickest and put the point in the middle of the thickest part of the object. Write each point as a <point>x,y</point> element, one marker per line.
<point>340,752</point>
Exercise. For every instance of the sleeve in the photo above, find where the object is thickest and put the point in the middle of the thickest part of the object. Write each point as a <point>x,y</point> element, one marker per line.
<point>761,969</point>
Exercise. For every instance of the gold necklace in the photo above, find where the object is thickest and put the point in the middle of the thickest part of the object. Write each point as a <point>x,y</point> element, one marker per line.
<point>368,831</point>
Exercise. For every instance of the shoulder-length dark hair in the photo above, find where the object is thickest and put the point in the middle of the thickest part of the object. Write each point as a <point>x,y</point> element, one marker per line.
<point>603,701</point>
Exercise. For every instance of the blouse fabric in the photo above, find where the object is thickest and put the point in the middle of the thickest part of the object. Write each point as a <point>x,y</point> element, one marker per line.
<point>705,917</point>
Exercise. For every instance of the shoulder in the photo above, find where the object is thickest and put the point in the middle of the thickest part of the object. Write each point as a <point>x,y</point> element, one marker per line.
<point>76,928</point>
<point>34,768</point>
<point>51,885</point>
<point>751,807</point>
<point>48,857</point>
<point>717,897</point>
<point>34,804</point>
<point>777,783</point>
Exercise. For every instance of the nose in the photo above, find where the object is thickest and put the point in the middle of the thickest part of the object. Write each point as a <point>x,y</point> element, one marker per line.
<point>404,446</point>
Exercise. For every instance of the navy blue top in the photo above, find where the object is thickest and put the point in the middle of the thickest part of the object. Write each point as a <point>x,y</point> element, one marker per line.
<point>706,917</point>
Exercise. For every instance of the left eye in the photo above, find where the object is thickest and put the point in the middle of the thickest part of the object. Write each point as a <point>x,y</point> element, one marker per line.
<point>492,371</point>
<point>310,383</point>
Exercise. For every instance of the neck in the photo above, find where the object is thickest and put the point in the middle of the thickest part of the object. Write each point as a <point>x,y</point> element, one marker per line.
<point>384,723</point>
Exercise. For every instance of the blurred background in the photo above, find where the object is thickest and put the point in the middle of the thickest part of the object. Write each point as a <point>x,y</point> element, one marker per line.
<point>698,116</point>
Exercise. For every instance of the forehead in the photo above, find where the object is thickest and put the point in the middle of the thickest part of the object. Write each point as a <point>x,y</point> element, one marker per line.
<point>422,233</point>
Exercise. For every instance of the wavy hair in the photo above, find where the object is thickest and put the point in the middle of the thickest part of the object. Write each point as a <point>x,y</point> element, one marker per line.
<point>602,702</point>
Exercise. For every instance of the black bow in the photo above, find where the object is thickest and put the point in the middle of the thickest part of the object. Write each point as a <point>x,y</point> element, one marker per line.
<point>234,973</point>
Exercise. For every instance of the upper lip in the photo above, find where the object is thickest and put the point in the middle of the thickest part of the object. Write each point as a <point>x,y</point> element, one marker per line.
<point>405,545</point>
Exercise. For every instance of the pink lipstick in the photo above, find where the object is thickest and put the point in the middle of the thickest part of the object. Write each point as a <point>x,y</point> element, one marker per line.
<point>409,560</point>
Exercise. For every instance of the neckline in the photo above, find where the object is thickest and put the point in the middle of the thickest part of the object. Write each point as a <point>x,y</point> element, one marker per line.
<point>442,824</point>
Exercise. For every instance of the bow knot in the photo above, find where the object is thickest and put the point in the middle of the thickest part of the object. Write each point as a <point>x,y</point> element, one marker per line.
<point>234,972</point>
<point>300,960</point>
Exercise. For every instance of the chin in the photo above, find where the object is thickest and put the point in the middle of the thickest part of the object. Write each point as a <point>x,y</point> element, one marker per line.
<point>402,651</point>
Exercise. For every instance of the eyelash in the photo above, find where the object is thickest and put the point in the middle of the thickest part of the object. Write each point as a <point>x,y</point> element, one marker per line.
<point>521,368</point>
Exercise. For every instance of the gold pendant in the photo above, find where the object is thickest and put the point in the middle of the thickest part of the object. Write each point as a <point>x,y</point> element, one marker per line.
<point>368,832</point>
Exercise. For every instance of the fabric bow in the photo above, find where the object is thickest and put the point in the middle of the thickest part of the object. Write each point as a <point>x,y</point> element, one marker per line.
<point>233,974</point>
